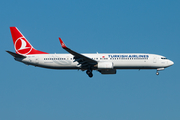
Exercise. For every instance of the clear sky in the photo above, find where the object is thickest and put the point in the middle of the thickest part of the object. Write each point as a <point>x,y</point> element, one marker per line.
<point>104,26</point>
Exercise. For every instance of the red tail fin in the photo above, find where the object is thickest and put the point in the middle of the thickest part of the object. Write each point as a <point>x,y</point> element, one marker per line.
<point>21,44</point>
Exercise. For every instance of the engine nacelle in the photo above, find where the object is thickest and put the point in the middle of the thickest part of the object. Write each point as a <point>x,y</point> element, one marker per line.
<point>105,65</point>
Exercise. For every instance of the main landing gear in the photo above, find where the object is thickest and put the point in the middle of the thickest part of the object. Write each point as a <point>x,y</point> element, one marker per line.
<point>89,73</point>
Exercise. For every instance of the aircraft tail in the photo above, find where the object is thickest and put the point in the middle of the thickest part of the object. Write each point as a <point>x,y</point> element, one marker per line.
<point>21,44</point>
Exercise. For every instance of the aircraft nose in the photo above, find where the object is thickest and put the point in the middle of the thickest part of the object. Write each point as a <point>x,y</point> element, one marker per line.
<point>170,62</point>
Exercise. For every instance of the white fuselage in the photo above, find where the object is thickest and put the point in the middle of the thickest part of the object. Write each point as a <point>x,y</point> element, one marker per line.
<point>104,63</point>
<point>119,60</point>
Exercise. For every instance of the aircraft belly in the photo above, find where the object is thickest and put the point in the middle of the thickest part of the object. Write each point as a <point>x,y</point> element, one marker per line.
<point>58,66</point>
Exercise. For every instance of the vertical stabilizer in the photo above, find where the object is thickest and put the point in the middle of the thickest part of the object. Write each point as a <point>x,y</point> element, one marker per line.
<point>21,44</point>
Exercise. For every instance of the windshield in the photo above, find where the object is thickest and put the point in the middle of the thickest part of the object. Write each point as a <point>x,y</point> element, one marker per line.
<point>163,58</point>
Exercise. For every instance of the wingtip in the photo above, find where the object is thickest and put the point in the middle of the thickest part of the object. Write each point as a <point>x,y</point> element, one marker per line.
<point>62,43</point>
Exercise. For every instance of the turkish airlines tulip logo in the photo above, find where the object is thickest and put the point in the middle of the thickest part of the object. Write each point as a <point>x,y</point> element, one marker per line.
<point>22,46</point>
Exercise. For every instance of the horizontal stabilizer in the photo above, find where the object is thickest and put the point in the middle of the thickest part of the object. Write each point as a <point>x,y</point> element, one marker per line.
<point>16,55</point>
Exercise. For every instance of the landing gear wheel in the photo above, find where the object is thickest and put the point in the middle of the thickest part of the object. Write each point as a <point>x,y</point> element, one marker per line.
<point>89,73</point>
<point>157,73</point>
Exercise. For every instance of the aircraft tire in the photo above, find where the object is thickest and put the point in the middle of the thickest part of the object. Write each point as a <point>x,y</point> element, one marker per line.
<point>89,73</point>
<point>157,73</point>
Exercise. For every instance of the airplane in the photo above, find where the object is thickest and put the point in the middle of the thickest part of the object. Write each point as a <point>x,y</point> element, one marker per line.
<point>105,63</point>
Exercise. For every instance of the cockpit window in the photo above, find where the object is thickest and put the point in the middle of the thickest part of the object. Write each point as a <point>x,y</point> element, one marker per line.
<point>163,58</point>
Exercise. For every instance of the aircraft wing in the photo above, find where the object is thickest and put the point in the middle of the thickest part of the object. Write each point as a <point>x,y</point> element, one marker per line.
<point>81,59</point>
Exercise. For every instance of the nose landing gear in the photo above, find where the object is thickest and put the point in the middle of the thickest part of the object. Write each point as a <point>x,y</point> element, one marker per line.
<point>157,73</point>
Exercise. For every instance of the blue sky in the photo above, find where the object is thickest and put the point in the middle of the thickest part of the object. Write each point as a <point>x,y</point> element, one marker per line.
<point>103,26</point>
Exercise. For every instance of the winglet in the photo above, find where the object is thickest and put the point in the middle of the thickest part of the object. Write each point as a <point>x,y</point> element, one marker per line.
<point>62,43</point>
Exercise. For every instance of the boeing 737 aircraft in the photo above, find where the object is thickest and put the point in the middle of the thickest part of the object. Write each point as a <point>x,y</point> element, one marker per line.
<point>106,63</point>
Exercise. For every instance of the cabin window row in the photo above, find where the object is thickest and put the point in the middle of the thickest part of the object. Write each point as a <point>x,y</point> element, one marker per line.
<point>128,58</point>
<point>54,58</point>
<point>100,58</point>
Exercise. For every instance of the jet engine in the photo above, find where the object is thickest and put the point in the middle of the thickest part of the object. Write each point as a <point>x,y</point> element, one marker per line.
<point>105,65</point>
